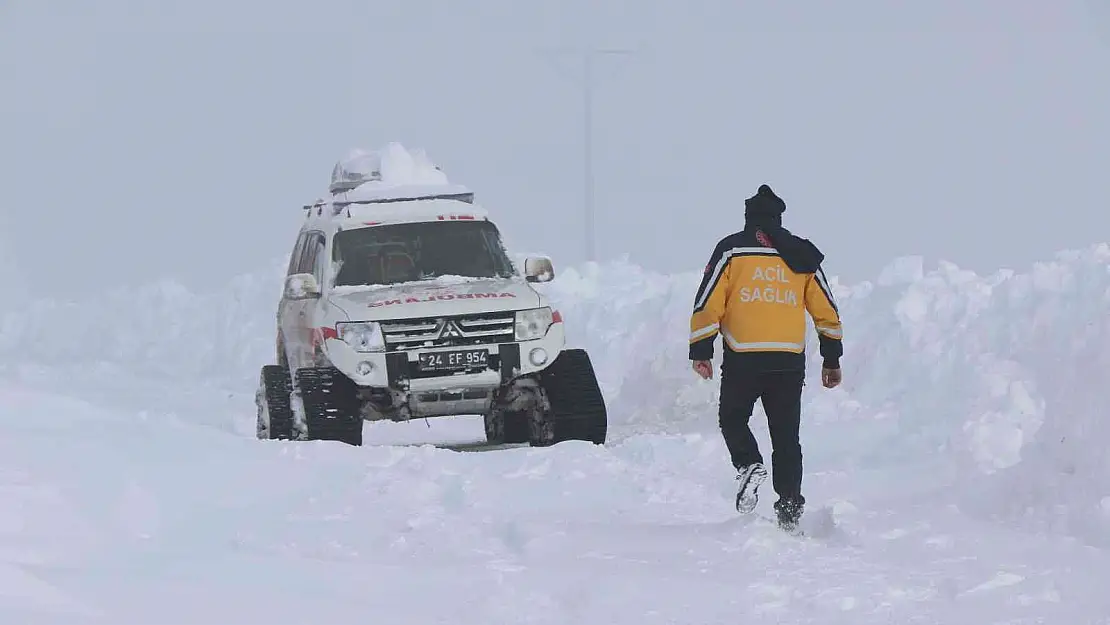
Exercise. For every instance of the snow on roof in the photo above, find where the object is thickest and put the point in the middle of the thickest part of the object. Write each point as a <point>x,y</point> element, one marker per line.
<point>389,174</point>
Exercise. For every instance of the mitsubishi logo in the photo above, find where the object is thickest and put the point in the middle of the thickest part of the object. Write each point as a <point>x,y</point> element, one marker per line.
<point>449,330</point>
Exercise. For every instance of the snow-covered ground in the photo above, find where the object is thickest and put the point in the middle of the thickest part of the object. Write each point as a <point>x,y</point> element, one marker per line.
<point>958,476</point>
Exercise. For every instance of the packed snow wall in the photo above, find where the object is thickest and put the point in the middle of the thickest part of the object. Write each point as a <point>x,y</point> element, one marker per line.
<point>1004,373</point>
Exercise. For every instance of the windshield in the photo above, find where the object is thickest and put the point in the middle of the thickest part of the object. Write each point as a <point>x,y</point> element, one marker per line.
<point>419,251</point>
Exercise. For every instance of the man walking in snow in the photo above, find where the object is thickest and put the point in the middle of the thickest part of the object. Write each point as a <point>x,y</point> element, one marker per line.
<point>757,288</point>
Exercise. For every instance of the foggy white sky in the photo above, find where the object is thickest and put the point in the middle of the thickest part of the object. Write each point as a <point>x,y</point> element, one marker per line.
<point>147,139</point>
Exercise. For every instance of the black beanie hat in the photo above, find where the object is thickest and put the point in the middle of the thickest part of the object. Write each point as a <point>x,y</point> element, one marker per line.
<point>764,203</point>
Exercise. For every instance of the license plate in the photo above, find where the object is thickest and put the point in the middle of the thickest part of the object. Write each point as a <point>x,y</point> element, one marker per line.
<point>459,359</point>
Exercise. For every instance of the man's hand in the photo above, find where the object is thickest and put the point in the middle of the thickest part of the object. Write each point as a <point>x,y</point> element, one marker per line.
<point>830,378</point>
<point>704,368</point>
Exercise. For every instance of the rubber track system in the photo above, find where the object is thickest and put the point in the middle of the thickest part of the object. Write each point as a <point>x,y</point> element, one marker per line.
<point>331,405</point>
<point>516,428</point>
<point>506,426</point>
<point>577,407</point>
<point>277,387</point>
<point>513,429</point>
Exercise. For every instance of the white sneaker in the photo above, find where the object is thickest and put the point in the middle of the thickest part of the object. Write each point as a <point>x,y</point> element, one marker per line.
<point>750,478</point>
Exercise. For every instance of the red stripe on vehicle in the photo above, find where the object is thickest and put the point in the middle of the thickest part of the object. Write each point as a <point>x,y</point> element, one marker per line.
<point>319,335</point>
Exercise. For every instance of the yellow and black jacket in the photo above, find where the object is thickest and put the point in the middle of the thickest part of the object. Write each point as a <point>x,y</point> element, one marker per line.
<point>755,293</point>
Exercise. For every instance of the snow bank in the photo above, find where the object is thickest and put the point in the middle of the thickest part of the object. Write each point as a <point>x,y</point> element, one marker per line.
<point>1000,373</point>
<point>162,330</point>
<point>1003,372</point>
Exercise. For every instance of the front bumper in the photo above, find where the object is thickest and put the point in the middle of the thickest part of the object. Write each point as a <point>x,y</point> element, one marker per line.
<point>400,370</point>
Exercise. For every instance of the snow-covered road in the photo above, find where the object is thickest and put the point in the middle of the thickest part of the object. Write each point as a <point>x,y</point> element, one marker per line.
<point>958,477</point>
<point>108,518</point>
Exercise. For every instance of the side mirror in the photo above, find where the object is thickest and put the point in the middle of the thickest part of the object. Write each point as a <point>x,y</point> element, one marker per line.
<point>538,269</point>
<point>301,286</point>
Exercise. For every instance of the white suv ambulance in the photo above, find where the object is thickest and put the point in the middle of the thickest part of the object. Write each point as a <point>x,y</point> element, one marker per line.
<point>400,302</point>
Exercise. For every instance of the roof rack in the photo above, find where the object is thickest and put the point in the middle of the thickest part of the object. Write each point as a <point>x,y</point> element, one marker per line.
<point>383,194</point>
<point>358,168</point>
<point>388,175</point>
<point>391,174</point>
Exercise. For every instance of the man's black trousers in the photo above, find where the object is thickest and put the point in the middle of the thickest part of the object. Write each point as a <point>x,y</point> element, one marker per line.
<point>781,395</point>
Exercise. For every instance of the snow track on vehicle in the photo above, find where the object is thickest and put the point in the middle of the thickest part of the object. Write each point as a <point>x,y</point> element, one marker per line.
<point>957,477</point>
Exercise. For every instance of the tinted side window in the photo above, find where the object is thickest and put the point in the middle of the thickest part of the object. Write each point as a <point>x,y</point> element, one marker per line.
<point>295,257</point>
<point>317,243</point>
<point>308,252</point>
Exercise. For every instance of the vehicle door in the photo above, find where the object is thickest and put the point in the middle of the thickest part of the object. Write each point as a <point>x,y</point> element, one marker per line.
<point>287,314</point>
<point>315,309</point>
<point>297,326</point>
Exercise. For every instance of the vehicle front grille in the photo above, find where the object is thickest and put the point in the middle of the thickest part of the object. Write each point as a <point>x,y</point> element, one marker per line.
<point>454,331</point>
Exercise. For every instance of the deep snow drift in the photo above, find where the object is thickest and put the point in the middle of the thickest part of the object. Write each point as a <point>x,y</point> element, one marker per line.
<point>958,476</point>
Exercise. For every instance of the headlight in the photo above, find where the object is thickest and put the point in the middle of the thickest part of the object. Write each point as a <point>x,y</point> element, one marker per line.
<point>533,324</point>
<point>362,336</point>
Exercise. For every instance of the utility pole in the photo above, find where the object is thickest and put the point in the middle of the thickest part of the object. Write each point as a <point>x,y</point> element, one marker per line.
<point>589,57</point>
